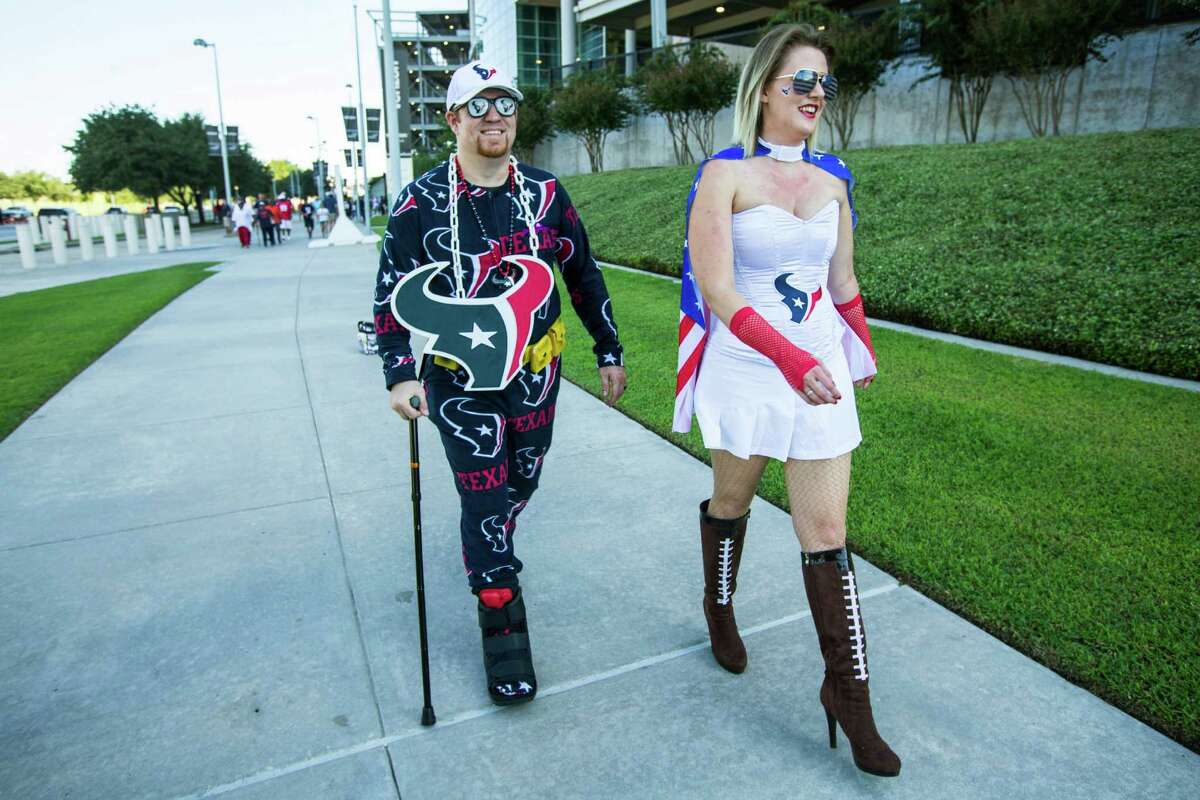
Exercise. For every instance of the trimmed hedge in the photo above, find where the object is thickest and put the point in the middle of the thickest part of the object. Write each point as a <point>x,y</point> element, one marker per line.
<point>1087,246</point>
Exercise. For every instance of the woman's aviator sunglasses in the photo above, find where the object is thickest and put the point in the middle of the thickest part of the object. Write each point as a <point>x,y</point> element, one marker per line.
<point>505,105</point>
<point>804,80</point>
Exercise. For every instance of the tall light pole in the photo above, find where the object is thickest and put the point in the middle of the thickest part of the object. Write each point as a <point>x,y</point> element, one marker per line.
<point>389,102</point>
<point>354,150</point>
<point>362,125</point>
<point>320,169</point>
<point>221,119</point>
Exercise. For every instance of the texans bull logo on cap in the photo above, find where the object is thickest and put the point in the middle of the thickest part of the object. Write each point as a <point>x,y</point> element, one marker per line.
<point>486,335</point>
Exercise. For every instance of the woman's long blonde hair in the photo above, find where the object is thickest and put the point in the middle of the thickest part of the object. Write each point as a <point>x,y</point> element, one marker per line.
<point>762,65</point>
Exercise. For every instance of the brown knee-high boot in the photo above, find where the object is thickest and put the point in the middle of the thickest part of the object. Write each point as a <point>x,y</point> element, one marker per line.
<point>721,542</point>
<point>845,694</point>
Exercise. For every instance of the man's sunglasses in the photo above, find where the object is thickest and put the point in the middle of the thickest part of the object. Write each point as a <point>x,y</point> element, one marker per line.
<point>505,105</point>
<point>804,80</point>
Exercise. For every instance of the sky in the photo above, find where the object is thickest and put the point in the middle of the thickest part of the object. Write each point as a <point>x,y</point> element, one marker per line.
<point>280,62</point>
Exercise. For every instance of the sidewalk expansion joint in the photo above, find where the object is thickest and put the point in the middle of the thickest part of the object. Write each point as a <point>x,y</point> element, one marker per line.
<point>144,425</point>
<point>337,525</point>
<point>163,523</point>
<point>477,713</point>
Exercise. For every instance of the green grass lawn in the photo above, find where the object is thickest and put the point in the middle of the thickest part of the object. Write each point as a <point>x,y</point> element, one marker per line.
<point>51,335</point>
<point>1055,508</point>
<point>1082,245</point>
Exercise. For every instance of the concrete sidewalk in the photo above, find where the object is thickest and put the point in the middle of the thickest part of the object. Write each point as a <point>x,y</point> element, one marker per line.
<point>207,584</point>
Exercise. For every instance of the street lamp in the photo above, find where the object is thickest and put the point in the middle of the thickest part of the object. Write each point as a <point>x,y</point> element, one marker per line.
<point>320,169</point>
<point>220,118</point>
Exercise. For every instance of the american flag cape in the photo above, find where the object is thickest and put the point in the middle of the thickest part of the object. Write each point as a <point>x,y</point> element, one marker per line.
<point>693,311</point>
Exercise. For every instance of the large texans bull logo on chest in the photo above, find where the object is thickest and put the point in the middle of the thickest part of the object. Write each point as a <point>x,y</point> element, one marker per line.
<point>486,335</point>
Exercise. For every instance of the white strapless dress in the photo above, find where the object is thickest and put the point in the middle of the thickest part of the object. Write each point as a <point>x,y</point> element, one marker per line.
<point>743,404</point>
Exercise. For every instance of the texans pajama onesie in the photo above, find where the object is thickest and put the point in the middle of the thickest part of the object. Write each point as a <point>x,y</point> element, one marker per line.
<point>495,441</point>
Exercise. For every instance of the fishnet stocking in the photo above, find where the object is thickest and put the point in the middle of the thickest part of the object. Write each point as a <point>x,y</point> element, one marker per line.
<point>735,480</point>
<point>818,492</point>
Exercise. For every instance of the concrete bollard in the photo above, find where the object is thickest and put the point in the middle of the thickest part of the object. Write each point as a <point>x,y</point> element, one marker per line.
<point>107,224</point>
<point>131,234</point>
<point>87,246</point>
<point>161,230</point>
<point>168,233</point>
<point>35,230</point>
<point>58,242</point>
<point>26,246</point>
<point>73,225</point>
<point>44,224</point>
<point>185,232</point>
<point>153,229</point>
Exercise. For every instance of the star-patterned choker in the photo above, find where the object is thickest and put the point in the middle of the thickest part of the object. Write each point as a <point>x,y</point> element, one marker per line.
<point>785,152</point>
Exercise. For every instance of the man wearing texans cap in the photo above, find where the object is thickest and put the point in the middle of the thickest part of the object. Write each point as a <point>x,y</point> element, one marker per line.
<point>474,236</point>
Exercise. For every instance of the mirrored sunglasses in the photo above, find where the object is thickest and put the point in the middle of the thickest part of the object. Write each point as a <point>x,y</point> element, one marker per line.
<point>804,80</point>
<point>505,105</point>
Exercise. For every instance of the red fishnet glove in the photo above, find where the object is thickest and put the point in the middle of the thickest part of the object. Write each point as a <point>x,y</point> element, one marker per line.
<point>856,317</point>
<point>749,326</point>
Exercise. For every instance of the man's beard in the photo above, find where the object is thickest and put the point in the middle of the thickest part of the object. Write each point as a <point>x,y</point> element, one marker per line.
<point>492,149</point>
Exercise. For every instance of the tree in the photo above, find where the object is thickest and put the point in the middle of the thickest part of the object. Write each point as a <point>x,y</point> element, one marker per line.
<point>591,106</point>
<point>439,149</point>
<point>186,166</point>
<point>535,121</point>
<point>688,88</point>
<point>247,175</point>
<point>35,186</point>
<point>861,54</point>
<point>1038,42</point>
<point>120,148</point>
<point>949,38</point>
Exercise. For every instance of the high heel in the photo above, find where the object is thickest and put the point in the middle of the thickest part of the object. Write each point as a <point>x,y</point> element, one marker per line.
<point>845,694</point>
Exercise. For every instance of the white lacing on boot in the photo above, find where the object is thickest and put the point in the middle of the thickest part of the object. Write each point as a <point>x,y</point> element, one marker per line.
<point>725,572</point>
<point>857,641</point>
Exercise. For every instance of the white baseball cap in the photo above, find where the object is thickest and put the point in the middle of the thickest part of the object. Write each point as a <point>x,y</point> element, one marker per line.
<point>473,78</point>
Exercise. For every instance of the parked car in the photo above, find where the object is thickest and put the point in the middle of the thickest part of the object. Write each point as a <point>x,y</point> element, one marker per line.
<point>116,210</point>
<point>56,212</point>
<point>172,211</point>
<point>14,214</point>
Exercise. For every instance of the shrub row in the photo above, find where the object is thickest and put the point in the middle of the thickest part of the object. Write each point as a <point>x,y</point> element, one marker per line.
<point>1087,246</point>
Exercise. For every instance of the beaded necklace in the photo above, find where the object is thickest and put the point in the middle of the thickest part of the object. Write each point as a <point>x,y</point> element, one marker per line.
<point>523,194</point>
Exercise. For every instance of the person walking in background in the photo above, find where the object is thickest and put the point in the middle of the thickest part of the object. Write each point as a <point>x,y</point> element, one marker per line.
<point>773,342</point>
<point>323,218</point>
<point>285,216</point>
<point>308,212</point>
<point>266,223</point>
<point>242,218</point>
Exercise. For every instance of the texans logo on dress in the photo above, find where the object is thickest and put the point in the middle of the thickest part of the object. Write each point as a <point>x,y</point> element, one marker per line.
<point>799,302</point>
<point>484,72</point>
<point>486,335</point>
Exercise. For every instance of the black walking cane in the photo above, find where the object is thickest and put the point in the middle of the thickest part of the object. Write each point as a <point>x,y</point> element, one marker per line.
<point>427,715</point>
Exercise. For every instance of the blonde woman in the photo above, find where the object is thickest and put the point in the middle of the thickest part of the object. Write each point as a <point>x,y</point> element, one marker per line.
<point>773,343</point>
